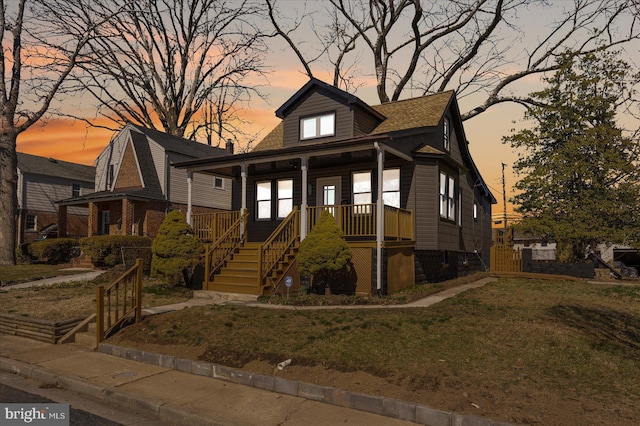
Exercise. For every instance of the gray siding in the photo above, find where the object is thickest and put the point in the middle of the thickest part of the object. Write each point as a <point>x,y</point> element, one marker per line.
<point>364,123</point>
<point>203,193</point>
<point>41,193</point>
<point>157,153</point>
<point>425,194</point>
<point>313,104</point>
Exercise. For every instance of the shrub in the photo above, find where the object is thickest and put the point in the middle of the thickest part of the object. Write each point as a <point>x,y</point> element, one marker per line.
<point>175,249</point>
<point>22,253</point>
<point>105,250</point>
<point>324,254</point>
<point>54,251</point>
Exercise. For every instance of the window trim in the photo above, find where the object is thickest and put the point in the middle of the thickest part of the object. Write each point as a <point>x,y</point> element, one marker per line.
<point>398,191</point>
<point>75,190</point>
<point>222,185</point>
<point>35,222</point>
<point>265,200</point>
<point>446,134</point>
<point>447,199</point>
<point>318,126</point>
<point>279,198</point>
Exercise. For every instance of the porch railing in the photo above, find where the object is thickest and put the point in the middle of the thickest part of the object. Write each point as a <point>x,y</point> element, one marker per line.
<point>120,300</point>
<point>359,220</point>
<point>224,247</point>
<point>211,226</point>
<point>278,245</point>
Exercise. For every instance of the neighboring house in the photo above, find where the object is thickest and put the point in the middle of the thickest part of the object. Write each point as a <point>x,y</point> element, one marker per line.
<point>41,182</point>
<point>398,177</point>
<point>136,184</point>
<point>541,248</point>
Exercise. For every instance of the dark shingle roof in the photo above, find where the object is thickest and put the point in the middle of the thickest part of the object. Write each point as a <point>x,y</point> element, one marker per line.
<point>425,111</point>
<point>145,162</point>
<point>35,164</point>
<point>180,145</point>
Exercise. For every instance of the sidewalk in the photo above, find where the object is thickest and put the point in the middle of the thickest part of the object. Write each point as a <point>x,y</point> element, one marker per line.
<point>83,276</point>
<point>187,392</point>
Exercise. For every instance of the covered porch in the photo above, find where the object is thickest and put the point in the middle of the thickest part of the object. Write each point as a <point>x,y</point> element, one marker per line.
<point>278,196</point>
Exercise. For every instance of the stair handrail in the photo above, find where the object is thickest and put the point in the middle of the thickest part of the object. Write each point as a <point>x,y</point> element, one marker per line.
<point>225,246</point>
<point>278,244</point>
<point>129,284</point>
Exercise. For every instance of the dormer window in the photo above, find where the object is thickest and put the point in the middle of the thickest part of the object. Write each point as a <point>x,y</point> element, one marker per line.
<point>446,134</point>
<point>318,126</point>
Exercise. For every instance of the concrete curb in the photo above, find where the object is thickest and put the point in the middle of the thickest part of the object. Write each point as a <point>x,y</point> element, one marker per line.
<point>109,394</point>
<point>401,410</point>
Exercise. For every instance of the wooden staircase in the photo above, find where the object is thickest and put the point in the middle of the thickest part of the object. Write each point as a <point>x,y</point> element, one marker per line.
<point>240,274</point>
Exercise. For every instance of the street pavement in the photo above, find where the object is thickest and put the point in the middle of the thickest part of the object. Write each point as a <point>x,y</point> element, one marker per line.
<point>184,396</point>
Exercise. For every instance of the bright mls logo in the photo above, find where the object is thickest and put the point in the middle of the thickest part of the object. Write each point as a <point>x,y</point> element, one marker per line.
<point>35,414</point>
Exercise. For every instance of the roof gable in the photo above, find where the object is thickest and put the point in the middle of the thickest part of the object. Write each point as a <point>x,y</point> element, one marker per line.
<point>180,145</point>
<point>317,85</point>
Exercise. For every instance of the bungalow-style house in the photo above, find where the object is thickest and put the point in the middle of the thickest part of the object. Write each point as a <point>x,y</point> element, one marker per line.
<point>41,182</point>
<point>398,178</point>
<point>136,184</point>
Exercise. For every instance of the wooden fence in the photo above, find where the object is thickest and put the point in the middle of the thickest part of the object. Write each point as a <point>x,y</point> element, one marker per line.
<point>120,301</point>
<point>505,259</point>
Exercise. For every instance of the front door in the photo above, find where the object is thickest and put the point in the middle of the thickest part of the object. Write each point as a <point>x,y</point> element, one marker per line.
<point>329,192</point>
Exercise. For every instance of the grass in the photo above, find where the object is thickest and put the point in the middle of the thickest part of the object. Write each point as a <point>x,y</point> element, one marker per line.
<point>21,273</point>
<point>510,344</point>
<point>78,299</point>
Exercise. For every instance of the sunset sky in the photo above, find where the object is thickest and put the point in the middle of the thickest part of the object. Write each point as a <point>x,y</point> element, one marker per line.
<point>76,141</point>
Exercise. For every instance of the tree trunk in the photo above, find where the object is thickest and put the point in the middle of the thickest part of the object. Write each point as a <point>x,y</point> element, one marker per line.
<point>8,193</point>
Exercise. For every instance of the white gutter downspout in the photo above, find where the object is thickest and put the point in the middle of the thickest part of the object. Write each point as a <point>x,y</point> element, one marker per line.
<point>380,216</point>
<point>243,206</point>
<point>303,206</point>
<point>189,189</point>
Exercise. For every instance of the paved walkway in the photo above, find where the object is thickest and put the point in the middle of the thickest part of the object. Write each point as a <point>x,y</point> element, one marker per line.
<point>82,276</point>
<point>185,392</point>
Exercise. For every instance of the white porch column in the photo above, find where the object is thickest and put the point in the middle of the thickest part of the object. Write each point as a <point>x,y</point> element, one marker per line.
<point>189,189</point>
<point>303,206</point>
<point>243,205</point>
<point>380,217</point>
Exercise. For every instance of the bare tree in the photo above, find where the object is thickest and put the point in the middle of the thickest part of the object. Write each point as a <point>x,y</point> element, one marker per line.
<point>163,61</point>
<point>35,60</point>
<point>473,46</point>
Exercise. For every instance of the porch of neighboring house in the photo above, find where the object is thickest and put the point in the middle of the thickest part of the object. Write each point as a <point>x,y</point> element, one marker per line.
<point>234,263</point>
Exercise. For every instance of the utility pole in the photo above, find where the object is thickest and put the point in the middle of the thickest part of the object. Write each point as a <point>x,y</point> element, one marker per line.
<point>504,196</point>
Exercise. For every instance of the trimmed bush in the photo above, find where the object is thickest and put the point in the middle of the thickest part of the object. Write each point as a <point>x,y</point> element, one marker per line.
<point>175,249</point>
<point>105,250</point>
<point>324,254</point>
<point>53,251</point>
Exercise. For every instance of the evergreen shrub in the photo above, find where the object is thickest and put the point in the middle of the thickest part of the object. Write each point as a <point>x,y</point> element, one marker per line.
<point>52,251</point>
<point>324,254</point>
<point>105,250</point>
<point>175,249</point>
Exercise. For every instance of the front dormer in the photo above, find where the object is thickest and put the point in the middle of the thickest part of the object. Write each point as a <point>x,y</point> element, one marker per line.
<point>319,112</point>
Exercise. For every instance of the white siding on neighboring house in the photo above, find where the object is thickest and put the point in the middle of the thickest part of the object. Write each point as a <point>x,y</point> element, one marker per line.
<point>112,154</point>
<point>203,192</point>
<point>158,155</point>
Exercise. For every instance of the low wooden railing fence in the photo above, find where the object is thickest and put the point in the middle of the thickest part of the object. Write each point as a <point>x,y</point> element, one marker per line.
<point>209,227</point>
<point>223,248</point>
<point>120,301</point>
<point>279,244</point>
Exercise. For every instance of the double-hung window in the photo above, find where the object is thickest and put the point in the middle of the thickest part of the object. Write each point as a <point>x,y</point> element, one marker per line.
<point>75,190</point>
<point>30,222</point>
<point>263,199</point>
<point>318,126</point>
<point>447,197</point>
<point>362,191</point>
<point>391,187</point>
<point>446,134</point>
<point>285,197</point>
